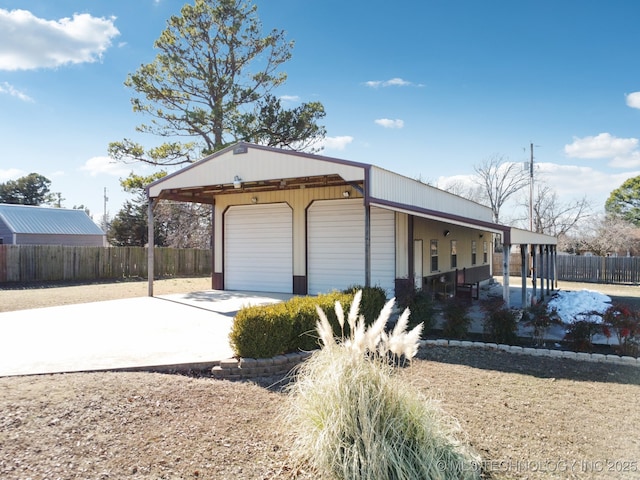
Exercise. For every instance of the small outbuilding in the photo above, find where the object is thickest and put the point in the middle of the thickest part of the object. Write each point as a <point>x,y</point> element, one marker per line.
<point>291,222</point>
<point>31,225</point>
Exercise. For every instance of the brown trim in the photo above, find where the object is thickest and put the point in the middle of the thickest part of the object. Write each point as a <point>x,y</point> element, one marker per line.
<point>212,244</point>
<point>410,243</point>
<point>217,281</point>
<point>299,284</point>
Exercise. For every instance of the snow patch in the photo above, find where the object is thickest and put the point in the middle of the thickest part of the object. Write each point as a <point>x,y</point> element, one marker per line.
<point>579,305</point>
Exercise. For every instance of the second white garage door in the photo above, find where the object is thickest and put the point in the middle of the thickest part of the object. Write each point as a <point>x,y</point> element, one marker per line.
<point>335,236</point>
<point>258,248</point>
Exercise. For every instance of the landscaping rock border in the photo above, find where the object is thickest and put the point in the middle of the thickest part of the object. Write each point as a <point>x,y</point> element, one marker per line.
<point>539,352</point>
<point>248,368</point>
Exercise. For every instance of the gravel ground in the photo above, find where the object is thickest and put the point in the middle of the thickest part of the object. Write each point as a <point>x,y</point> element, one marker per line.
<point>528,417</point>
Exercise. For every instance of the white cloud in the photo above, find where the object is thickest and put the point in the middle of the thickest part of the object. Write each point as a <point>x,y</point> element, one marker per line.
<point>633,100</point>
<point>570,182</point>
<point>603,145</point>
<point>14,92</point>
<point>337,143</point>
<point>388,123</point>
<point>28,42</point>
<point>105,165</point>
<point>11,174</point>
<point>290,98</point>
<point>578,181</point>
<point>394,82</point>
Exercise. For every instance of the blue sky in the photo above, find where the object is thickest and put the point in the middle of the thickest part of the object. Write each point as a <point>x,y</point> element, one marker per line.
<point>427,88</point>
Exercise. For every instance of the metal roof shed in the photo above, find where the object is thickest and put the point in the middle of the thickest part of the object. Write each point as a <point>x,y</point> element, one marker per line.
<point>32,225</point>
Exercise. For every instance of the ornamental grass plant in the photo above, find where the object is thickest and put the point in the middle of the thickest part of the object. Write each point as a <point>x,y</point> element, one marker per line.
<point>355,417</point>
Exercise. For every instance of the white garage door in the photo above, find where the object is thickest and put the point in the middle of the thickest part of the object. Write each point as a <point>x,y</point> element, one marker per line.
<point>258,248</point>
<point>336,246</point>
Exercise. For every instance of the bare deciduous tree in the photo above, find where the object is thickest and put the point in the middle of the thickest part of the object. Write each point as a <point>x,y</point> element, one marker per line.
<point>185,225</point>
<point>463,189</point>
<point>553,217</point>
<point>500,179</point>
<point>610,234</point>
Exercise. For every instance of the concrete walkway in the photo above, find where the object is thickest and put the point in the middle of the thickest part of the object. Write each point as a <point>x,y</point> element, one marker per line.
<point>167,330</point>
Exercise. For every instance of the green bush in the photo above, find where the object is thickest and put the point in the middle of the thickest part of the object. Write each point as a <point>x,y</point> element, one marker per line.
<point>261,331</point>
<point>373,299</point>
<point>420,304</point>
<point>303,317</point>
<point>540,319</point>
<point>456,318</point>
<point>500,325</point>
<point>269,330</point>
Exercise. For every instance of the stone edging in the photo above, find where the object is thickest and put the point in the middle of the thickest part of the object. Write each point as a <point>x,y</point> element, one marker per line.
<point>246,368</point>
<point>538,352</point>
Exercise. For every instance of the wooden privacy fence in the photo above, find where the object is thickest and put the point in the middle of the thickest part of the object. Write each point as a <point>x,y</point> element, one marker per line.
<point>42,263</point>
<point>572,268</point>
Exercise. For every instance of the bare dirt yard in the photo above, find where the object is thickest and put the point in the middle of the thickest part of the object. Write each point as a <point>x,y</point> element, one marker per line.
<point>528,417</point>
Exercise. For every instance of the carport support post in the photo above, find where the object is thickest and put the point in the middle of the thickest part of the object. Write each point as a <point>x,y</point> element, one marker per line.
<point>542,273</point>
<point>506,252</point>
<point>367,244</point>
<point>151,241</point>
<point>524,257</point>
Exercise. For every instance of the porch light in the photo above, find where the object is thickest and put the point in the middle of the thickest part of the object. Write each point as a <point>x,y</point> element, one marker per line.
<point>446,233</point>
<point>237,182</point>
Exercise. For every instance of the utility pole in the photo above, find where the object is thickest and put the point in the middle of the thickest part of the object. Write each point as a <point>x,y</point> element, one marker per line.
<point>531,190</point>
<point>104,214</point>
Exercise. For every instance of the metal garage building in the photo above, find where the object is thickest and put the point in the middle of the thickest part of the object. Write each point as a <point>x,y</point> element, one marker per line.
<point>291,222</point>
<point>31,225</point>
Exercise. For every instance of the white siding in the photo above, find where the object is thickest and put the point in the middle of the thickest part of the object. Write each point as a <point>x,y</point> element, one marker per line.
<point>383,259</point>
<point>258,248</point>
<point>402,190</point>
<point>335,245</point>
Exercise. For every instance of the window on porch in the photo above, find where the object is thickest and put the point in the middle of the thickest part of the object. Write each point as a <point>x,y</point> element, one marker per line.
<point>454,253</point>
<point>434,255</point>
<point>473,252</point>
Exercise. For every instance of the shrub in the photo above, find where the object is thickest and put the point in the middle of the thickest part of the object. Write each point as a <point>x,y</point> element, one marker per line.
<point>500,324</point>
<point>456,318</point>
<point>261,331</point>
<point>580,334</point>
<point>355,419</point>
<point>420,304</point>
<point>268,330</point>
<point>540,320</point>
<point>303,317</point>
<point>625,322</point>
<point>373,299</point>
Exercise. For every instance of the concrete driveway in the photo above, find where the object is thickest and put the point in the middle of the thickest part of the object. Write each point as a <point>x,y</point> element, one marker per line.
<point>169,330</point>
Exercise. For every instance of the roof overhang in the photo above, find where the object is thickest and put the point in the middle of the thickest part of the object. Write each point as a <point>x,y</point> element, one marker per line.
<point>441,216</point>
<point>525,237</point>
<point>254,168</point>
